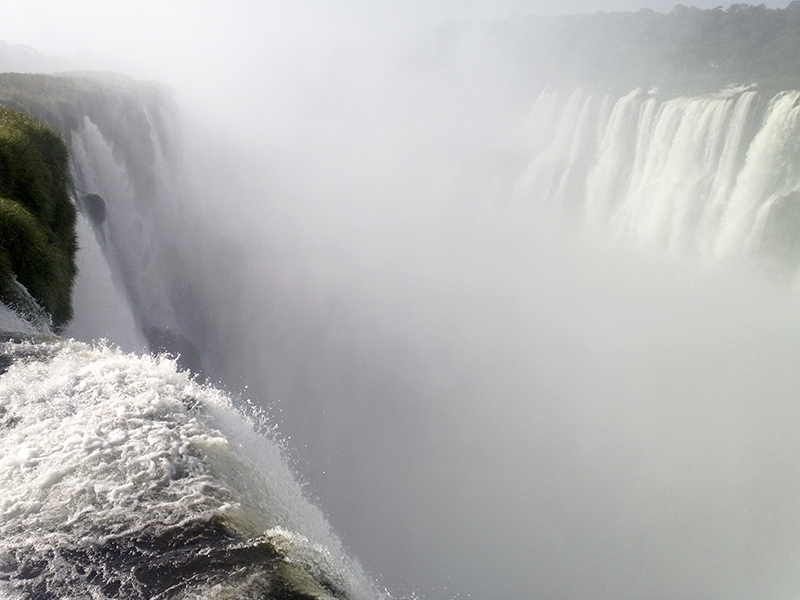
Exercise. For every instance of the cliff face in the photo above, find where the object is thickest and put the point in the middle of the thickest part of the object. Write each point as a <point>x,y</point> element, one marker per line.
<point>132,116</point>
<point>124,172</point>
<point>110,143</point>
<point>37,218</point>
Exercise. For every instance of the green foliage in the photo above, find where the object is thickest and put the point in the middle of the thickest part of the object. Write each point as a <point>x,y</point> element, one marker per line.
<point>37,218</point>
<point>686,51</point>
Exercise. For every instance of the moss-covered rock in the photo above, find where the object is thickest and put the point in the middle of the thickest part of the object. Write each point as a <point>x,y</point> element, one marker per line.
<point>37,218</point>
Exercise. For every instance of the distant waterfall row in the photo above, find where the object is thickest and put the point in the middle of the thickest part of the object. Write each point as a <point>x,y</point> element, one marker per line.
<point>717,175</point>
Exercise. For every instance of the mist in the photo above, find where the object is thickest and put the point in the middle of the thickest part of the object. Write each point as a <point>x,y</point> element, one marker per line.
<point>485,399</point>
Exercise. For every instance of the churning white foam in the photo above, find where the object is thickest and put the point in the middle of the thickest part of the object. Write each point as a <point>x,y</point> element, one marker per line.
<point>97,444</point>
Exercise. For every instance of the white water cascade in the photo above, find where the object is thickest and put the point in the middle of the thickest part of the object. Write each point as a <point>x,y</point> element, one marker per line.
<point>123,475</point>
<point>108,459</point>
<point>101,307</point>
<point>689,174</point>
<point>138,223</point>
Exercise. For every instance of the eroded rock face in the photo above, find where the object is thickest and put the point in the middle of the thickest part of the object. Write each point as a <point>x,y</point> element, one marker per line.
<point>196,556</point>
<point>95,208</point>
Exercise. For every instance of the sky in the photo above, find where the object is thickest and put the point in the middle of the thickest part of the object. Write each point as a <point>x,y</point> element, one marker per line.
<point>148,27</point>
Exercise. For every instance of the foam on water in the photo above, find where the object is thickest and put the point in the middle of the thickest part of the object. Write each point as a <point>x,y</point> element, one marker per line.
<point>99,447</point>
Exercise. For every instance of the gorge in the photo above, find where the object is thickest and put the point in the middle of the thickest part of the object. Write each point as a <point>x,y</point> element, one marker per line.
<point>517,307</point>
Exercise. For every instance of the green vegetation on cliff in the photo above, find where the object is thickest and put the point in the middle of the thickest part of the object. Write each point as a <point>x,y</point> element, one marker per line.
<point>37,218</point>
<point>684,52</point>
<point>688,50</point>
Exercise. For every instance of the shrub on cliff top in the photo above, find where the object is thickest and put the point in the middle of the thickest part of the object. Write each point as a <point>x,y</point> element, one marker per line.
<point>37,218</point>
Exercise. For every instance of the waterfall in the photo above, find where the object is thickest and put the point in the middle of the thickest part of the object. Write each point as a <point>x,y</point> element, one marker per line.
<point>122,474</point>
<point>102,309</point>
<point>689,174</point>
<point>138,225</point>
<point>483,405</point>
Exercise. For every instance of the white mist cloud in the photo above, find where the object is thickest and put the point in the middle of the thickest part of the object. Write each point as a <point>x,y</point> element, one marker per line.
<point>502,409</point>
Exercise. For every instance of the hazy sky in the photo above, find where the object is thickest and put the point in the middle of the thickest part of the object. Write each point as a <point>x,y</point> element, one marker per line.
<point>96,25</point>
<point>193,44</point>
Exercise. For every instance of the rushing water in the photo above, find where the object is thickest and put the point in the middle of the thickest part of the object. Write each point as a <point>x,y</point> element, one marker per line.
<point>584,387</point>
<point>122,477</point>
<point>706,174</point>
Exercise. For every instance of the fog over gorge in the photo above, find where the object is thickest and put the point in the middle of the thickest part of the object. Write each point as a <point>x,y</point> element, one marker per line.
<point>517,291</point>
